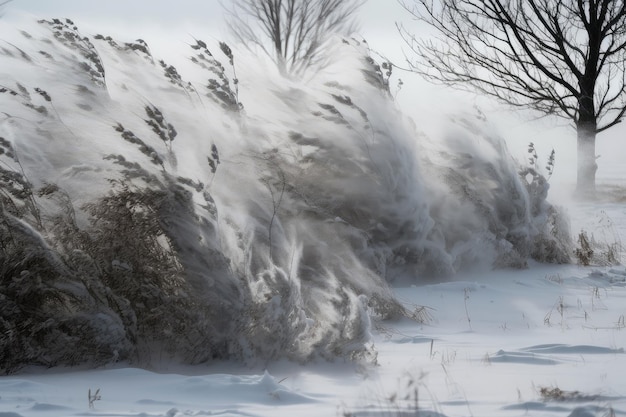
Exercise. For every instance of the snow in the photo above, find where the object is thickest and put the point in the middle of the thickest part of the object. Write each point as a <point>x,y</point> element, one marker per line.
<point>516,342</point>
<point>546,340</point>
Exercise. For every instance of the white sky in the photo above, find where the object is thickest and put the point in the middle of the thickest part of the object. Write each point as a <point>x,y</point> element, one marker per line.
<point>184,17</point>
<point>123,10</point>
<point>376,15</point>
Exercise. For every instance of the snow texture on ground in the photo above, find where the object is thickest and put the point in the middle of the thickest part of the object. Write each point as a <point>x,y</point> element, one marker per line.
<point>547,341</point>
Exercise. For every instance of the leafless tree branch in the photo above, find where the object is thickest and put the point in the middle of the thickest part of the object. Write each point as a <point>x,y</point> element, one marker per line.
<point>291,32</point>
<point>560,57</point>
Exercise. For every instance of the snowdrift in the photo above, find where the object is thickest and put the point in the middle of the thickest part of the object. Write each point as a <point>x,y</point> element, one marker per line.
<point>218,210</point>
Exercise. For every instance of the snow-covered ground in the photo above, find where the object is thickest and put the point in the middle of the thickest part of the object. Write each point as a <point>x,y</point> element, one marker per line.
<point>494,343</point>
<point>540,341</point>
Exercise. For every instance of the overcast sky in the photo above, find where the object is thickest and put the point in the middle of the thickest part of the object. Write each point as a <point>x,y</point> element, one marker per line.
<point>377,16</point>
<point>126,10</point>
<point>169,24</point>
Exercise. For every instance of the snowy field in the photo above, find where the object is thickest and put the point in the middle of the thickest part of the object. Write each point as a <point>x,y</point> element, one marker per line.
<point>546,340</point>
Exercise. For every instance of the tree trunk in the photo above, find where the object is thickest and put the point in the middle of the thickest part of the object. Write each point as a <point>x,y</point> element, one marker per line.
<point>586,129</point>
<point>587,167</point>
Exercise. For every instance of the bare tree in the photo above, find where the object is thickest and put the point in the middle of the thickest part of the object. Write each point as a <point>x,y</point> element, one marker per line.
<point>292,32</point>
<point>560,57</point>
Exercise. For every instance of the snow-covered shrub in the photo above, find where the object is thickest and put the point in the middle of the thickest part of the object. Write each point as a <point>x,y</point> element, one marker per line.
<point>139,242</point>
<point>551,240</point>
<point>129,243</point>
<point>601,245</point>
<point>280,245</point>
<point>490,210</point>
<point>16,191</point>
<point>48,316</point>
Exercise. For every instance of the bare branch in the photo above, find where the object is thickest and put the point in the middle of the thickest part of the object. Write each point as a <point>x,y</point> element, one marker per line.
<point>560,57</point>
<point>291,32</point>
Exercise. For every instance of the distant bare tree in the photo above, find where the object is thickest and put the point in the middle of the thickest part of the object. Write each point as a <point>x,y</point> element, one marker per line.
<point>560,57</point>
<point>292,32</point>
